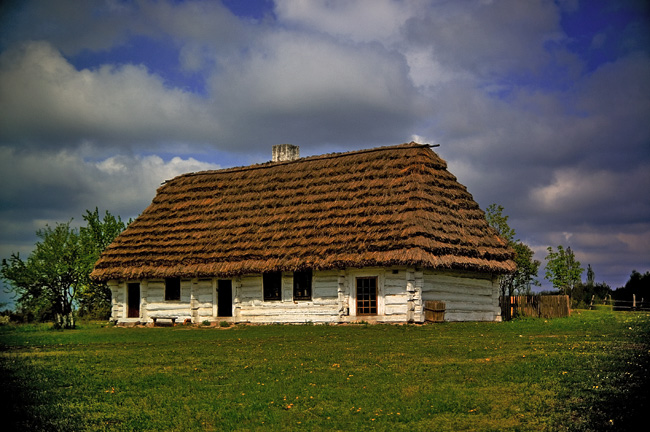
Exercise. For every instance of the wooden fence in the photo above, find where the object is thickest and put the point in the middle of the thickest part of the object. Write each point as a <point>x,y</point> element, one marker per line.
<point>537,306</point>
<point>634,304</point>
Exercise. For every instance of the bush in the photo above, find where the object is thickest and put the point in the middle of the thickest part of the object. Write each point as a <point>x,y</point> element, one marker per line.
<point>101,312</point>
<point>224,324</point>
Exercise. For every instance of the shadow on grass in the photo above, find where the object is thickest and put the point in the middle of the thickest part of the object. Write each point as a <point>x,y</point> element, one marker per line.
<point>623,408</point>
<point>621,403</point>
<point>27,406</point>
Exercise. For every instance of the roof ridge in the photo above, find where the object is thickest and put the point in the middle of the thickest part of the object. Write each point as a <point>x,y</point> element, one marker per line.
<point>404,146</point>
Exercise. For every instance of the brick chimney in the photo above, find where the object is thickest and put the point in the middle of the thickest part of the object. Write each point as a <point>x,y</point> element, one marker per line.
<point>285,152</point>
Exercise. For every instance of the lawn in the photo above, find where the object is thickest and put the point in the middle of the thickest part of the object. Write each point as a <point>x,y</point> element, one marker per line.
<point>586,372</point>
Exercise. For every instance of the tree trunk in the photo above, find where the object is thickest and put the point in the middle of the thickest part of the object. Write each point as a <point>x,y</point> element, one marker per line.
<point>65,316</point>
<point>65,321</point>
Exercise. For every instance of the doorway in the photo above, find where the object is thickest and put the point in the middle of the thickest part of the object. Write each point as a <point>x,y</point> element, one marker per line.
<point>224,298</point>
<point>133,300</point>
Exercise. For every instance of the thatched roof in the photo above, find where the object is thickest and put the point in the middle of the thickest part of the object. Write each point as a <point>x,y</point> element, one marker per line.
<point>380,207</point>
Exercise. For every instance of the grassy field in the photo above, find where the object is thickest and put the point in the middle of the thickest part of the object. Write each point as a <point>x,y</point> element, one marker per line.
<point>586,372</point>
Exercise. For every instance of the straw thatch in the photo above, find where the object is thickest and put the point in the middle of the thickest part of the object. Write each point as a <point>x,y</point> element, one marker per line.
<point>387,206</point>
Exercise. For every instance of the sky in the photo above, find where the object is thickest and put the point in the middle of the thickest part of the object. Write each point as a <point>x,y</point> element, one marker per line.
<point>540,106</point>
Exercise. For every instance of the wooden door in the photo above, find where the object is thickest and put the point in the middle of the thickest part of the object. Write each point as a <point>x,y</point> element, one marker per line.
<point>133,300</point>
<point>366,296</point>
<point>224,298</point>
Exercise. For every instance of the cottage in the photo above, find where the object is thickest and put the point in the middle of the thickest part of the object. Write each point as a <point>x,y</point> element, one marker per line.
<point>365,235</point>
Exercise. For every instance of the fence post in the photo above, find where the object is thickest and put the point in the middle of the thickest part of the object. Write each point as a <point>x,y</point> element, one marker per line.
<point>633,301</point>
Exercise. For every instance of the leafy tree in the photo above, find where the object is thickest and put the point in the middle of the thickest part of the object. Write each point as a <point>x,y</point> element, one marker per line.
<point>497,220</point>
<point>562,269</point>
<point>584,292</point>
<point>56,275</point>
<point>521,280</point>
<point>527,267</point>
<point>95,297</point>
<point>48,281</point>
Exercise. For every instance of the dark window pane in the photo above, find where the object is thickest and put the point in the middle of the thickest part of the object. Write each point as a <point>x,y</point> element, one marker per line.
<point>272,282</point>
<point>173,289</point>
<point>302,285</point>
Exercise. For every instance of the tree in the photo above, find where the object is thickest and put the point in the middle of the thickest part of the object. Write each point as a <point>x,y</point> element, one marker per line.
<point>527,267</point>
<point>497,220</point>
<point>95,297</point>
<point>583,293</point>
<point>48,281</point>
<point>56,275</point>
<point>562,269</point>
<point>591,276</point>
<point>638,284</point>
<point>519,281</point>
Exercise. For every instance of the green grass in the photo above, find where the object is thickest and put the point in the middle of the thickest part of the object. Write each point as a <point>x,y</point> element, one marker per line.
<point>587,372</point>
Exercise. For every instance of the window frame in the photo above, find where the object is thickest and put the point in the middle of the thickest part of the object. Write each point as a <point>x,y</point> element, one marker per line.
<point>376,297</point>
<point>303,281</point>
<point>272,286</point>
<point>176,281</point>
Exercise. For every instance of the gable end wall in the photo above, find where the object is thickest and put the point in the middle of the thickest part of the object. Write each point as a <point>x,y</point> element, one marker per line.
<point>467,296</point>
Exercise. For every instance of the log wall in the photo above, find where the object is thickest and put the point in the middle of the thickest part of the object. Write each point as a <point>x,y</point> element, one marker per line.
<point>401,295</point>
<point>467,296</point>
<point>323,306</point>
<point>118,300</point>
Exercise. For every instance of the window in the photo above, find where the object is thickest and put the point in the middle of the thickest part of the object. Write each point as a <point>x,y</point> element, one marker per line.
<point>302,285</point>
<point>173,289</point>
<point>272,282</point>
<point>367,296</point>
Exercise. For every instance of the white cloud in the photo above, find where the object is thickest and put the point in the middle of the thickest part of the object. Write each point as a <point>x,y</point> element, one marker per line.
<point>301,87</point>
<point>361,21</point>
<point>61,184</point>
<point>131,181</point>
<point>426,71</point>
<point>44,98</point>
<point>485,38</point>
<point>290,70</point>
<point>576,190</point>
